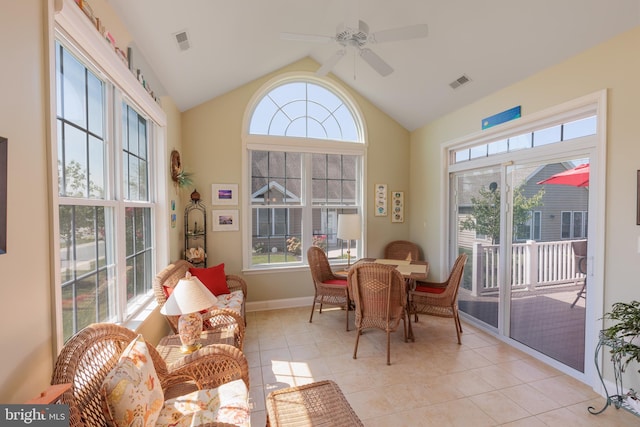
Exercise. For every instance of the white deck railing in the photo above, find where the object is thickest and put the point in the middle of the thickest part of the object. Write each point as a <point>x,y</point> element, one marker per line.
<point>533,265</point>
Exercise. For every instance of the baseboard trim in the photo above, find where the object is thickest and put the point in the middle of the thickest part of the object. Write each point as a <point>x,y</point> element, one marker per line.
<point>279,304</point>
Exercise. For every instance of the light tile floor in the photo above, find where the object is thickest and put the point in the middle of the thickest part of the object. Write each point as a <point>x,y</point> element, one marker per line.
<point>431,382</point>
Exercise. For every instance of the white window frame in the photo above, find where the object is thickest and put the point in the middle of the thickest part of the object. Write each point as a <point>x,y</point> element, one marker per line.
<point>300,145</point>
<point>69,26</point>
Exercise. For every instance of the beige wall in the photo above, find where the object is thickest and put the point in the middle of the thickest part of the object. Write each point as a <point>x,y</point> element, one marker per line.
<point>614,65</point>
<point>25,297</point>
<point>25,270</point>
<point>213,150</point>
<point>209,137</point>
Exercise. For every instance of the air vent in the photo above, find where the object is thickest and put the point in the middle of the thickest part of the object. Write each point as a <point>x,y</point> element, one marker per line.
<point>463,79</point>
<point>182,38</point>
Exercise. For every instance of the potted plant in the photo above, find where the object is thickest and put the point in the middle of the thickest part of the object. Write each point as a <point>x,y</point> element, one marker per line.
<point>625,331</point>
<point>626,328</point>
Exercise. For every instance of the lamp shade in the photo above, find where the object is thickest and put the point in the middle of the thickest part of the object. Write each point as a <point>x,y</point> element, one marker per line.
<point>188,296</point>
<point>348,227</point>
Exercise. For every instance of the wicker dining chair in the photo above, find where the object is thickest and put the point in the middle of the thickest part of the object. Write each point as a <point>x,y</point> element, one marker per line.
<point>380,296</point>
<point>402,249</point>
<point>93,352</point>
<point>580,259</point>
<point>439,299</point>
<point>329,288</point>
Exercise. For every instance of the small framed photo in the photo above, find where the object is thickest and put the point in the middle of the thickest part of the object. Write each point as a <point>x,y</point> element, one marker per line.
<point>224,194</point>
<point>225,220</point>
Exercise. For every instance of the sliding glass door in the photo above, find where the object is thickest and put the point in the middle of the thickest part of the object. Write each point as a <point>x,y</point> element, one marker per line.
<point>523,278</point>
<point>547,267</point>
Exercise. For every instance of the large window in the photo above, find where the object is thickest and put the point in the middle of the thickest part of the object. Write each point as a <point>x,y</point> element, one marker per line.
<point>300,182</point>
<point>104,197</point>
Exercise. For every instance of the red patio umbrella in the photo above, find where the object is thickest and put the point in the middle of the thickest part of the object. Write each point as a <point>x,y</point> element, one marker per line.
<point>577,177</point>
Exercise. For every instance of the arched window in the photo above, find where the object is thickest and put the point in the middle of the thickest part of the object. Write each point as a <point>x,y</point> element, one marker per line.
<point>305,158</point>
<point>304,109</point>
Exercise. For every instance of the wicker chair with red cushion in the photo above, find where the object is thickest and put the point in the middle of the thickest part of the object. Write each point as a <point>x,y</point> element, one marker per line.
<point>329,288</point>
<point>439,299</point>
<point>380,295</point>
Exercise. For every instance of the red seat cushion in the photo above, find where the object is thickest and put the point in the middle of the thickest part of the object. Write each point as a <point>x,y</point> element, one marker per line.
<point>429,290</point>
<point>214,278</point>
<point>336,282</point>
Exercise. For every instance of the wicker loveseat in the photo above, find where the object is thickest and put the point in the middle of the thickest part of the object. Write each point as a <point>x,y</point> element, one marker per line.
<point>90,355</point>
<point>220,315</point>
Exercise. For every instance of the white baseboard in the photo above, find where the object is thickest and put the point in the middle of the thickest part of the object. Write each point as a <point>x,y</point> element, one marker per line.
<point>279,304</point>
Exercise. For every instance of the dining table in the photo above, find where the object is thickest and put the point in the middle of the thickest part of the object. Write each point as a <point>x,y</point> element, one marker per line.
<point>411,270</point>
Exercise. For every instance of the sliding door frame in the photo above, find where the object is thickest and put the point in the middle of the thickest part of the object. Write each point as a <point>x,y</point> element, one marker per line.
<point>593,147</point>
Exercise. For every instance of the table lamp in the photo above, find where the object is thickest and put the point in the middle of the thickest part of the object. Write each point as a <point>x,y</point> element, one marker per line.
<point>188,299</point>
<point>348,229</point>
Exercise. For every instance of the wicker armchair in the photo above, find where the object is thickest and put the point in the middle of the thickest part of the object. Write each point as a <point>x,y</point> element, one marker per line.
<point>380,297</point>
<point>402,249</point>
<point>439,299</point>
<point>215,319</point>
<point>329,288</point>
<point>92,353</point>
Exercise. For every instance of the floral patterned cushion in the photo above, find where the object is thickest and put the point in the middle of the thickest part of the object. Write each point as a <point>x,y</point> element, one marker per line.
<point>225,404</point>
<point>232,301</point>
<point>132,393</point>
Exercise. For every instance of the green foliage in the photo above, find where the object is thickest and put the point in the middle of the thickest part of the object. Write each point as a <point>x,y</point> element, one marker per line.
<point>485,218</point>
<point>184,179</point>
<point>626,317</point>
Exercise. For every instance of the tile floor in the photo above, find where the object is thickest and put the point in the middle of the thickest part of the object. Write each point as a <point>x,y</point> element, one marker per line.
<point>431,382</point>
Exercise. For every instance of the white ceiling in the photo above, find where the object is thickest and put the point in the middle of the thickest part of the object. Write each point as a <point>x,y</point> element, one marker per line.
<point>494,42</point>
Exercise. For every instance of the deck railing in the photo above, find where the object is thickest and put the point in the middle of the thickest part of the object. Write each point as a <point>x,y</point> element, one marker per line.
<point>533,265</point>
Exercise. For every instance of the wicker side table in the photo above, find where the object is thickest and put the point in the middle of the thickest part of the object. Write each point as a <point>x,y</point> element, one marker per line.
<point>317,404</point>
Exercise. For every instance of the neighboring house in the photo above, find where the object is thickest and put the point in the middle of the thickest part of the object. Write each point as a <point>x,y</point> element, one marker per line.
<point>562,215</point>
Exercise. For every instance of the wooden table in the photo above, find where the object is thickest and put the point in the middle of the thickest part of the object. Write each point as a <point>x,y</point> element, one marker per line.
<point>169,346</point>
<point>317,404</point>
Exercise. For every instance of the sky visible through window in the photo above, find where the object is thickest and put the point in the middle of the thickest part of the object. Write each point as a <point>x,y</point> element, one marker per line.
<point>305,110</point>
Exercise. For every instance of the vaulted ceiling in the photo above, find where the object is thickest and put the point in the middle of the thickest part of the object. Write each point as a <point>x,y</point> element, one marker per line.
<point>494,43</point>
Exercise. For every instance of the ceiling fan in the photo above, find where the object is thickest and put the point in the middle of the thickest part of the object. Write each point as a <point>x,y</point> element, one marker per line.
<point>358,38</point>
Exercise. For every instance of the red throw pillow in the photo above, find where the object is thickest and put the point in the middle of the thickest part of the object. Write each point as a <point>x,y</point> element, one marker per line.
<point>213,278</point>
<point>167,291</point>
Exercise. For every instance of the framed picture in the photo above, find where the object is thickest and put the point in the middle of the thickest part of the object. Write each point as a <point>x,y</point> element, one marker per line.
<point>397,206</point>
<point>224,194</point>
<point>225,220</point>
<point>380,199</point>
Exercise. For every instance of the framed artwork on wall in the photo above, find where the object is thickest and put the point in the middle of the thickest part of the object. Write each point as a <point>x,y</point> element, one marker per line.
<point>380,199</point>
<point>397,206</point>
<point>225,220</point>
<point>224,194</point>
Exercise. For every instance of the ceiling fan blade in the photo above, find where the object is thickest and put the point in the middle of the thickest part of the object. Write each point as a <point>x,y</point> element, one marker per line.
<point>331,62</point>
<point>306,37</point>
<point>402,33</point>
<point>376,62</point>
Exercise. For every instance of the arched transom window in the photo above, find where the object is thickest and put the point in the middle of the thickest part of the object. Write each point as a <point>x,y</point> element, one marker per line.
<point>304,109</point>
<point>305,161</point>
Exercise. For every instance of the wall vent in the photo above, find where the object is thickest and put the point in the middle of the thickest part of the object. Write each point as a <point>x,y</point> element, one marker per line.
<point>463,79</point>
<point>182,38</point>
